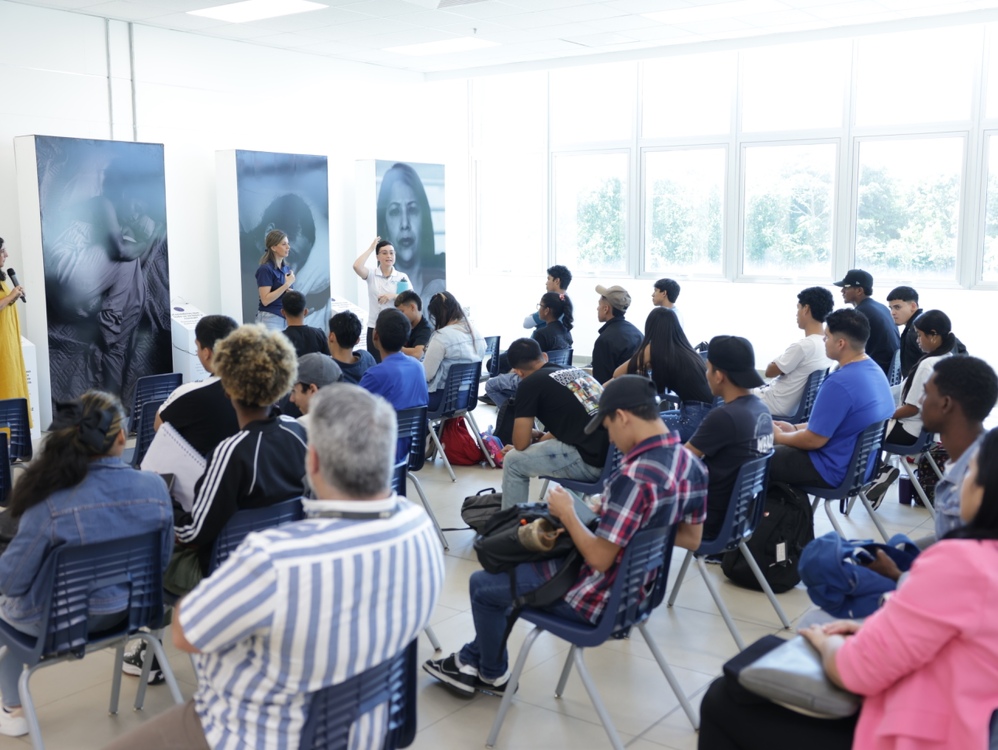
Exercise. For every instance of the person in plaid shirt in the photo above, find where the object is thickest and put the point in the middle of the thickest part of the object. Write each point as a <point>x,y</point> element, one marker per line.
<point>657,478</point>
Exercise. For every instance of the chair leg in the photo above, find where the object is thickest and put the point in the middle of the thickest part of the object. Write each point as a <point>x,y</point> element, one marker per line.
<point>833,519</point>
<point>440,450</point>
<point>565,672</point>
<point>514,680</point>
<point>671,677</point>
<point>934,465</point>
<point>716,596</point>
<point>28,706</point>
<point>433,638</point>
<point>873,514</point>
<point>429,511</point>
<point>918,488</point>
<point>544,490</point>
<point>680,577</point>
<point>604,716</point>
<point>156,647</point>
<point>478,437</point>
<point>119,655</point>
<point>757,572</point>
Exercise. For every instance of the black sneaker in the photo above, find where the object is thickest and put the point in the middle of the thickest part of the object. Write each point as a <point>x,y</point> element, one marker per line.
<point>881,483</point>
<point>497,688</point>
<point>487,400</point>
<point>463,680</point>
<point>132,665</point>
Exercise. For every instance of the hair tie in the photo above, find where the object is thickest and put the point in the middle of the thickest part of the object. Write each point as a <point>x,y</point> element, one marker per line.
<point>91,428</point>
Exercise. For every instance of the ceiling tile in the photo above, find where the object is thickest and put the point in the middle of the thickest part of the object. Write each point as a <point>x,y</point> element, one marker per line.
<point>128,11</point>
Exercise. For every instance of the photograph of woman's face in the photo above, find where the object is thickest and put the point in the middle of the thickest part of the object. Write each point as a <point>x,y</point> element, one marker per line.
<point>404,220</point>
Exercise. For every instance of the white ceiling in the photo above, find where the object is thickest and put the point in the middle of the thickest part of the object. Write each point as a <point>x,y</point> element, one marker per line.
<point>525,30</point>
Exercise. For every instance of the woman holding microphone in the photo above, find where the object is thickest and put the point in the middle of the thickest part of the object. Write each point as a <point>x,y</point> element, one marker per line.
<point>383,284</point>
<point>273,278</point>
<point>13,376</point>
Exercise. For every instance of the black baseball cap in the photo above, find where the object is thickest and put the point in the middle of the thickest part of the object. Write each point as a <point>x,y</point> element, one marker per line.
<point>626,392</point>
<point>857,277</point>
<point>735,357</point>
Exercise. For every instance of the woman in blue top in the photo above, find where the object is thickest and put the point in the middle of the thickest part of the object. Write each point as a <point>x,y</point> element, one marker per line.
<point>273,278</point>
<point>77,491</point>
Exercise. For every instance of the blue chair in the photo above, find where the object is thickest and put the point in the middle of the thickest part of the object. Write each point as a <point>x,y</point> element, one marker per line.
<point>5,478</point>
<point>745,511</point>
<point>921,448</point>
<point>492,355</point>
<point>14,415</point>
<point>335,709</point>
<point>144,432</point>
<point>894,372</point>
<point>152,388</point>
<point>135,562</point>
<point>867,448</point>
<point>459,400</point>
<point>588,489</point>
<point>648,555</point>
<point>808,395</point>
<point>412,425</point>
<point>238,527</point>
<point>561,357</point>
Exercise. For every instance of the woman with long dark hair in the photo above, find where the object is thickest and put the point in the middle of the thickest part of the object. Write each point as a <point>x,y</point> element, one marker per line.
<point>273,278</point>
<point>454,340</point>
<point>555,309</point>
<point>76,491</point>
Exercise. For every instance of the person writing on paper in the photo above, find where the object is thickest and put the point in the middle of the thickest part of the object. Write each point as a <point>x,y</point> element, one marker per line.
<point>926,663</point>
<point>13,374</point>
<point>383,284</point>
<point>273,278</point>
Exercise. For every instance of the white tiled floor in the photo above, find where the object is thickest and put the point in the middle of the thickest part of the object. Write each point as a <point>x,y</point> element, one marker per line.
<point>72,698</point>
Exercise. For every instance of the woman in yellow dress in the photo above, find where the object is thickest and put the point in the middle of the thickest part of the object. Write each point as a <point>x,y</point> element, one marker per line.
<point>13,377</point>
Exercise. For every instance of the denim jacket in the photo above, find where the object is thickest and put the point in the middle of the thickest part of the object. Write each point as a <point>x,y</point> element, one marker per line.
<point>113,501</point>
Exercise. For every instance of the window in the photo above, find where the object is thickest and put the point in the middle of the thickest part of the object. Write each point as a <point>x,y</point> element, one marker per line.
<point>689,95</point>
<point>789,210</point>
<point>908,208</point>
<point>590,209</point>
<point>684,210</point>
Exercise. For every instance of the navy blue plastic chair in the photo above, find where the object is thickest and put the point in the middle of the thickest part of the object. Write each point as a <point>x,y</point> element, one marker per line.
<point>588,489</point>
<point>646,557</point>
<point>561,357</point>
<point>335,709</point>
<point>152,388</point>
<point>245,521</point>
<point>492,355</point>
<point>144,431</point>
<point>920,448</point>
<point>808,395</point>
<point>459,400</point>
<point>5,479</point>
<point>135,562</point>
<point>745,511</point>
<point>894,372</point>
<point>412,425</point>
<point>14,414</point>
<point>867,448</point>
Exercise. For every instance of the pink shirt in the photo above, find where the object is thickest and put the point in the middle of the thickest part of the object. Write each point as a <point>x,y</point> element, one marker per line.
<point>928,661</point>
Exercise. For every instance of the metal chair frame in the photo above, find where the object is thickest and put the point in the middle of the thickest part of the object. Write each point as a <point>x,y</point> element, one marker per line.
<point>459,400</point>
<point>14,415</point>
<point>412,424</point>
<point>920,448</point>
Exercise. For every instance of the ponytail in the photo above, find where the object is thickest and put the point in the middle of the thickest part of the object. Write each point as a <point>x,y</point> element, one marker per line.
<point>561,306</point>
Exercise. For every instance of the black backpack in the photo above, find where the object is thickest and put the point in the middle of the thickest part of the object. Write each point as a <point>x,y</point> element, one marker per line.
<point>786,527</point>
<point>504,421</point>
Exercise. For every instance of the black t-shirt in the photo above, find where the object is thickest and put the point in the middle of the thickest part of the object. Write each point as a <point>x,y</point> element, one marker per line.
<point>552,337</point>
<point>730,435</point>
<point>884,338</point>
<point>564,399</point>
<point>419,335</point>
<point>307,340</point>
<point>204,417</point>
<point>617,341</point>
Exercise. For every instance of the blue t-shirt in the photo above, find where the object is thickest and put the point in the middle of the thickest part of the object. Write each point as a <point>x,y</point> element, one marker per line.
<point>400,380</point>
<point>272,278</point>
<point>850,400</point>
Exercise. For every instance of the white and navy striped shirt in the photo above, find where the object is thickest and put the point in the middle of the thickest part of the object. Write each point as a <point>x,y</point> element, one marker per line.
<point>302,607</point>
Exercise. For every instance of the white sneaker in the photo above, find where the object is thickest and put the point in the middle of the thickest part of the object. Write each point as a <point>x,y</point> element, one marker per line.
<point>12,722</point>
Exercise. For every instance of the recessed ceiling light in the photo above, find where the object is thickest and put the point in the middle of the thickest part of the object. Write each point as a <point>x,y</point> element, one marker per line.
<point>445,47</point>
<point>716,11</point>
<point>257,10</point>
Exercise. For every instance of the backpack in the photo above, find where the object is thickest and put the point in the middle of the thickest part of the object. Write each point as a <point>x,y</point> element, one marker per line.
<point>459,444</point>
<point>477,509</point>
<point>494,446</point>
<point>837,579</point>
<point>784,530</point>
<point>504,422</point>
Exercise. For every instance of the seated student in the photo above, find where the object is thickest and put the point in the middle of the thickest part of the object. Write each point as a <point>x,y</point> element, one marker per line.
<point>555,311</point>
<point>76,491</point>
<point>305,339</point>
<point>817,452</point>
<point>902,301</point>
<point>883,341</point>
<point>454,341</point>
<point>791,369</point>
<point>410,305</point>
<point>563,399</point>
<point>664,293</point>
<point>201,412</point>
<point>344,333</point>
<point>737,431</point>
<point>559,277</point>
<point>315,371</point>
<point>657,481</point>
<point>618,338</point>
<point>262,463</point>
<point>310,604</point>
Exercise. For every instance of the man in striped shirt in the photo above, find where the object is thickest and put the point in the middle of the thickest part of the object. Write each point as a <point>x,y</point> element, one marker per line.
<point>657,481</point>
<point>310,604</point>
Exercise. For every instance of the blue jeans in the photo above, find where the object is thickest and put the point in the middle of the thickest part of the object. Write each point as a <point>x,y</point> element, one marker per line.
<point>551,458</point>
<point>686,418</point>
<point>502,388</point>
<point>271,321</point>
<point>491,602</point>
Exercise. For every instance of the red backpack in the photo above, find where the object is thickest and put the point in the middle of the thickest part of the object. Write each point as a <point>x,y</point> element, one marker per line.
<point>459,444</point>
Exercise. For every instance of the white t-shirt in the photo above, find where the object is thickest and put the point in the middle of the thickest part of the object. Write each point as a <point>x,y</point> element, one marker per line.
<point>918,378</point>
<point>783,394</point>
<point>377,284</point>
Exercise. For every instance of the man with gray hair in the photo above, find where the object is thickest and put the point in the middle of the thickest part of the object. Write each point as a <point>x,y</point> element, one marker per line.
<point>268,627</point>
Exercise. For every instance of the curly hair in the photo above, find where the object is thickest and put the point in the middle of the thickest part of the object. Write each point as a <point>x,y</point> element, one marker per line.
<point>256,366</point>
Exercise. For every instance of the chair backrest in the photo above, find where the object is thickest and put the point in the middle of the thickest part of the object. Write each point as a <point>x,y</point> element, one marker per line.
<point>14,414</point>
<point>151,388</point>
<point>561,357</point>
<point>398,476</point>
<point>335,709</point>
<point>460,390</point>
<point>492,354</point>
<point>613,459</point>
<point>144,432</point>
<point>894,372</point>
<point>412,425</point>
<point>922,443</point>
<point>5,479</point>
<point>243,522</point>
<point>745,507</point>
<point>814,381</point>
<point>135,562</point>
<point>867,446</point>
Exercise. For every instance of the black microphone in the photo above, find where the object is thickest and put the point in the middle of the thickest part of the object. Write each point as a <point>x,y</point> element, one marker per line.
<point>13,280</point>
